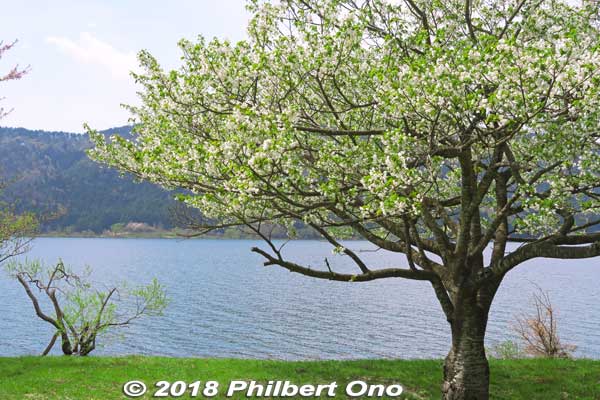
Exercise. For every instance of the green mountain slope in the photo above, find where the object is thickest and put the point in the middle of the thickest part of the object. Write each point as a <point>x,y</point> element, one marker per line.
<point>49,171</point>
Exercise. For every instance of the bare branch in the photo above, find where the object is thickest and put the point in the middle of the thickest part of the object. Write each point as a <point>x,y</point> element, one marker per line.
<point>333,276</point>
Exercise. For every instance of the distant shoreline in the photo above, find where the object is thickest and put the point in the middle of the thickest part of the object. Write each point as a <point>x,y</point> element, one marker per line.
<point>79,235</point>
<point>162,235</point>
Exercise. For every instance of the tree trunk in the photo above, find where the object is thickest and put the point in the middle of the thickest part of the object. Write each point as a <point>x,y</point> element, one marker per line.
<point>466,368</point>
<point>66,344</point>
<point>87,346</point>
<point>50,345</point>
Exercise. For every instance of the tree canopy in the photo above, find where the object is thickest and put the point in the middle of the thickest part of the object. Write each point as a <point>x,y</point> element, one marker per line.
<point>443,121</point>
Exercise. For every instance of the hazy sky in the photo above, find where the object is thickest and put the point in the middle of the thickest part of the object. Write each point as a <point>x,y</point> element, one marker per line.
<point>80,52</point>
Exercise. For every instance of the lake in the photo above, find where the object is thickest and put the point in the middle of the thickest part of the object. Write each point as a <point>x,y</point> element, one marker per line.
<point>224,303</point>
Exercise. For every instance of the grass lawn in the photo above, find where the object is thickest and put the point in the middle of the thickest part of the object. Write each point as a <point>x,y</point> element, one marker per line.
<point>65,378</point>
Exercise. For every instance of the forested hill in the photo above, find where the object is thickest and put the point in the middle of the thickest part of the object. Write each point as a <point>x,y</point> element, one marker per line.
<point>49,171</point>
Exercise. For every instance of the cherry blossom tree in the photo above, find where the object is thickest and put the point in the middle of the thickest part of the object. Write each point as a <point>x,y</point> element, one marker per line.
<point>13,74</point>
<point>438,130</point>
<point>15,229</point>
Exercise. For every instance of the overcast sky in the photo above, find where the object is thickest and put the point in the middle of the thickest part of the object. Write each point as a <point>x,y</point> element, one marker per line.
<point>80,52</point>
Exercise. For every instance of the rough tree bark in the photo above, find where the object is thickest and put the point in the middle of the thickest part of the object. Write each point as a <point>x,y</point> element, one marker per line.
<point>466,368</point>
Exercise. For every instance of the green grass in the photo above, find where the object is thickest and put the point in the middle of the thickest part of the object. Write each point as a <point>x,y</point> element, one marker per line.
<point>65,378</point>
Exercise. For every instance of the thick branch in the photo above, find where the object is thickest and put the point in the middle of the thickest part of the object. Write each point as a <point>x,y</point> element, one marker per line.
<point>333,276</point>
<point>50,345</point>
<point>36,304</point>
<point>547,250</point>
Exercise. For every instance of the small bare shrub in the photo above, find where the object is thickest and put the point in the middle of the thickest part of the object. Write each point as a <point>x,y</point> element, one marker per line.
<point>539,332</point>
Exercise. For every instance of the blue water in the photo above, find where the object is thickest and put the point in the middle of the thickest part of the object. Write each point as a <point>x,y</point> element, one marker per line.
<point>224,303</point>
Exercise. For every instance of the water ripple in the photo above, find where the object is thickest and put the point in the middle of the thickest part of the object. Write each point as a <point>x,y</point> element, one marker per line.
<point>224,303</point>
